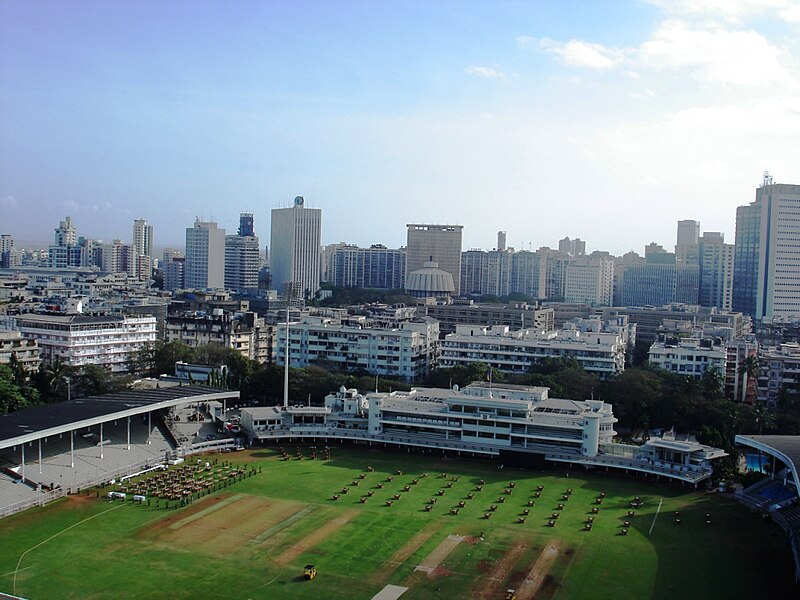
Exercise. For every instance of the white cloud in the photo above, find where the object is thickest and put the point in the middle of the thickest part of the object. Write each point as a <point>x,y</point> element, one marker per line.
<point>731,11</point>
<point>487,72</point>
<point>8,202</point>
<point>526,42</point>
<point>738,57</point>
<point>710,53</point>
<point>790,14</point>
<point>577,53</point>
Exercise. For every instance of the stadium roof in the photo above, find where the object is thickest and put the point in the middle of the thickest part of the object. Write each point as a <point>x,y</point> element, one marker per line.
<point>784,447</point>
<point>52,419</point>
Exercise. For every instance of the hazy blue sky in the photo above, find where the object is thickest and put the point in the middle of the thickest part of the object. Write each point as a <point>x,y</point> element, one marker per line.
<point>605,120</point>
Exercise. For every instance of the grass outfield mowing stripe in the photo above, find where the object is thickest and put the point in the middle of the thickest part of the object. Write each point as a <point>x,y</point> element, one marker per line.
<point>206,511</point>
<point>284,524</point>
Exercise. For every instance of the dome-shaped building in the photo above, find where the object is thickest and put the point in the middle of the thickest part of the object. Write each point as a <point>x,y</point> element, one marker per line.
<point>429,281</point>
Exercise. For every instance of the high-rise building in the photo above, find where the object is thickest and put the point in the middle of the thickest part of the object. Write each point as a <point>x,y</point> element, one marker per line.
<point>766,268</point>
<point>437,243</point>
<point>654,284</point>
<point>590,280</point>
<point>141,266</point>
<point>6,246</point>
<point>528,273</point>
<point>66,234</point>
<point>246,225</point>
<point>576,247</point>
<point>745,263</point>
<point>716,270</point>
<point>205,256</point>
<point>486,272</point>
<point>64,252</point>
<point>295,240</point>
<point>374,267</point>
<point>686,245</point>
<point>242,262</point>
<point>174,274</point>
<point>501,241</point>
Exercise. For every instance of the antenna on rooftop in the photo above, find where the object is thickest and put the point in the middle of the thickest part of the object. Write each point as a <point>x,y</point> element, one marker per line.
<point>767,179</point>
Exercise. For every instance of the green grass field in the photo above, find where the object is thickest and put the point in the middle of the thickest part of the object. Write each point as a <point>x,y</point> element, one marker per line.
<point>252,539</point>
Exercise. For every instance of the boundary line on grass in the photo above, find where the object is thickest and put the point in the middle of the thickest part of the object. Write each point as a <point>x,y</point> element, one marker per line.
<point>658,510</point>
<point>19,562</point>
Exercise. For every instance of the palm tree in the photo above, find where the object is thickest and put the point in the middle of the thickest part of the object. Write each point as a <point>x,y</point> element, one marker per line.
<point>751,370</point>
<point>57,375</point>
<point>763,417</point>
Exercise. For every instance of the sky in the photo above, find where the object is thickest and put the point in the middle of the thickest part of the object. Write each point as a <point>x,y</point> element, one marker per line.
<point>598,119</point>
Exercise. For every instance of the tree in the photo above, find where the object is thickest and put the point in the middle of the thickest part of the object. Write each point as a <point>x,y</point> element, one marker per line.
<point>12,396</point>
<point>91,380</point>
<point>752,369</point>
<point>166,354</point>
<point>57,380</point>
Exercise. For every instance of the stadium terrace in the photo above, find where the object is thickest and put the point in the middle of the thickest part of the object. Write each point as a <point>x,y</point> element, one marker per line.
<point>517,424</point>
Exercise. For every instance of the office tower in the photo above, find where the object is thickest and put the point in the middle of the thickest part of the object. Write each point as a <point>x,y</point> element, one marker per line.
<point>716,270</point>
<point>174,274</point>
<point>575,247</point>
<point>590,280</point>
<point>295,240</point>
<point>241,256</point>
<point>501,241</point>
<point>766,269</point>
<point>205,255</point>
<point>686,244</point>
<point>657,284</point>
<point>745,263</point>
<point>654,254</point>
<point>141,266</point>
<point>246,225</point>
<point>437,243</point>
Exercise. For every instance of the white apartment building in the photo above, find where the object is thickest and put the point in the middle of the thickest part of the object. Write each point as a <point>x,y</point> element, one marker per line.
<point>406,350</point>
<point>141,264</point>
<point>517,422</point>
<point>204,265</point>
<point>24,350</point>
<point>516,351</point>
<point>107,341</point>
<point>246,333</point>
<point>295,240</point>
<point>780,367</point>
<point>689,356</point>
<point>590,280</point>
<point>715,258</point>
<point>374,267</point>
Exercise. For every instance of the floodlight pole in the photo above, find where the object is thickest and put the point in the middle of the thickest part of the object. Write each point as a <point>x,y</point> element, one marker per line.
<point>286,359</point>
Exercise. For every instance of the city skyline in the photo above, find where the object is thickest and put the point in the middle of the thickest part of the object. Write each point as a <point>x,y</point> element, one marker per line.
<point>542,120</point>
